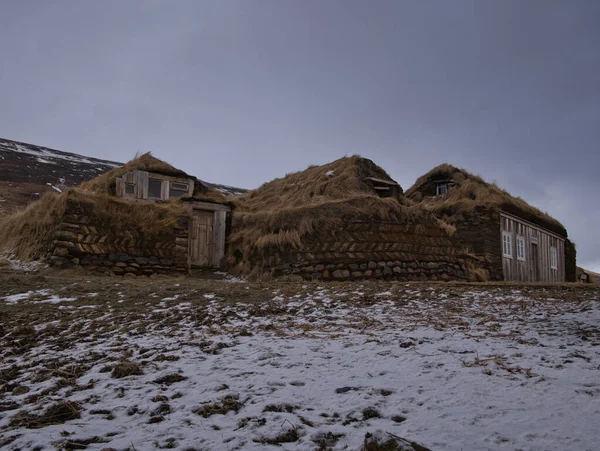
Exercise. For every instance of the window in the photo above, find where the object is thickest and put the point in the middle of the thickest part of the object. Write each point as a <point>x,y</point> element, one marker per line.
<point>155,188</point>
<point>507,244</point>
<point>178,189</point>
<point>553,258</point>
<point>441,189</point>
<point>130,189</point>
<point>521,248</point>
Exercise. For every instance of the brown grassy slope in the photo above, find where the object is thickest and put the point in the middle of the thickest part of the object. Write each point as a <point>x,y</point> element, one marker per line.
<point>468,192</point>
<point>29,233</point>
<point>279,213</point>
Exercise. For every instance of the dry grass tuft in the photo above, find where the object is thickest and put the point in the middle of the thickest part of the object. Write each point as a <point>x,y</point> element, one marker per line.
<point>226,404</point>
<point>29,233</point>
<point>124,369</point>
<point>56,414</point>
<point>170,379</point>
<point>289,436</point>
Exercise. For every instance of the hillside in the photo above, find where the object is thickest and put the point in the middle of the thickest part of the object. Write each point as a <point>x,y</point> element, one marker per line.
<point>27,171</point>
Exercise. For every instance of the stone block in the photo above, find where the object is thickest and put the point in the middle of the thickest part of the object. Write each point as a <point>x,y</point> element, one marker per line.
<point>61,252</point>
<point>372,265</point>
<point>341,274</point>
<point>357,274</point>
<point>387,271</point>
<point>59,262</point>
<point>66,244</point>
<point>319,267</point>
<point>368,273</point>
<point>353,266</point>
<point>397,270</point>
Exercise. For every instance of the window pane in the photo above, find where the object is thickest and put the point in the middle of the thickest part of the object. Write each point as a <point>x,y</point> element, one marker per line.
<point>154,188</point>
<point>129,189</point>
<point>176,193</point>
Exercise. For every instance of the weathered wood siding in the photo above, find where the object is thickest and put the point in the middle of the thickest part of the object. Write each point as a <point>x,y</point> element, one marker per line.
<point>536,266</point>
<point>208,233</point>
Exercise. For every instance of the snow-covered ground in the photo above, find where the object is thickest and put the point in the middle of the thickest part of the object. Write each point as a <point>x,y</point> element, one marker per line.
<point>448,368</point>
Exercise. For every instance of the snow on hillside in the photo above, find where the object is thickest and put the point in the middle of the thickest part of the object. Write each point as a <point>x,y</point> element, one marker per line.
<point>27,170</point>
<point>319,368</point>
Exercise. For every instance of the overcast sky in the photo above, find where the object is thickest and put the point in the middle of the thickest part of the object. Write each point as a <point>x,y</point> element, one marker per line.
<point>241,92</point>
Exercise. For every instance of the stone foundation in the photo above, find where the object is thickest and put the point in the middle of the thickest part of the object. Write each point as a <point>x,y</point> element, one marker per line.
<point>376,251</point>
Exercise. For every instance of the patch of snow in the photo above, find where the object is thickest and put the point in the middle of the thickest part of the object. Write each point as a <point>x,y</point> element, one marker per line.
<point>41,160</point>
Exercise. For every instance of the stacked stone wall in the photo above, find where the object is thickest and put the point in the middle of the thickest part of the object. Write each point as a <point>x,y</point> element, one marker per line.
<point>376,250</point>
<point>480,234</point>
<point>82,240</point>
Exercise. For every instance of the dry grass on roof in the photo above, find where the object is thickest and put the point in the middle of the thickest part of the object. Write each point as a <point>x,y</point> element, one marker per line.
<point>467,193</point>
<point>29,233</point>
<point>340,179</point>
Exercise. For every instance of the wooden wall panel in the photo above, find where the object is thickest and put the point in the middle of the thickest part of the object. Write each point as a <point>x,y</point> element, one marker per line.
<point>537,264</point>
<point>219,237</point>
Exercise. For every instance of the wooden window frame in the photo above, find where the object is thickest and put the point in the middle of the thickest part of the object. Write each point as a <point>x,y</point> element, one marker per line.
<point>132,194</point>
<point>507,238</point>
<point>520,247</point>
<point>438,188</point>
<point>553,258</point>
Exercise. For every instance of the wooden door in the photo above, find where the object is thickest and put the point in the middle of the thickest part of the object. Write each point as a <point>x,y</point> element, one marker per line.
<point>534,263</point>
<point>201,243</point>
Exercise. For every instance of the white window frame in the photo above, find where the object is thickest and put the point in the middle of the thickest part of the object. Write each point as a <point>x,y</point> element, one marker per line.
<point>553,258</point>
<point>507,250</point>
<point>520,248</point>
<point>438,188</point>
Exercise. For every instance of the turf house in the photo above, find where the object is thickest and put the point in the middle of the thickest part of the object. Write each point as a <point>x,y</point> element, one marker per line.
<point>142,218</point>
<point>513,240</point>
<point>344,220</point>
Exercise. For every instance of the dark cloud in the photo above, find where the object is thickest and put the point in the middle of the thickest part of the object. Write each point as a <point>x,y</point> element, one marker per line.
<point>241,92</point>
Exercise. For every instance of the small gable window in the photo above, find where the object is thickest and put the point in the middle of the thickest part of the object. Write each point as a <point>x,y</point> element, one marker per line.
<point>130,189</point>
<point>553,258</point>
<point>507,244</point>
<point>521,248</point>
<point>441,189</point>
<point>178,189</point>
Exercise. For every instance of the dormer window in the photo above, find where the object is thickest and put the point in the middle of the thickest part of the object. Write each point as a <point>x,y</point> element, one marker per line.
<point>441,188</point>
